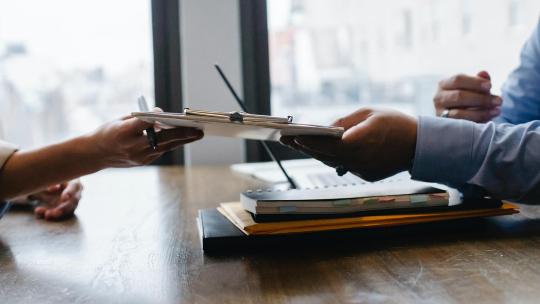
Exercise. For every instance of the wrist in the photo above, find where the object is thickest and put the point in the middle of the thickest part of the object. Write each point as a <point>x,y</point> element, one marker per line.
<point>89,146</point>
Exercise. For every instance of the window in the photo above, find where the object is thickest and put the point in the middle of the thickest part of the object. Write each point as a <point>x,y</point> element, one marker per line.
<point>67,66</point>
<point>328,58</point>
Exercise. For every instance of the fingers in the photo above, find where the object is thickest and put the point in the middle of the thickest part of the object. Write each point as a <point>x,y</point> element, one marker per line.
<point>136,125</point>
<point>152,155</point>
<point>468,97</point>
<point>289,141</point>
<point>353,118</point>
<point>139,152</point>
<point>39,212</point>
<point>465,82</point>
<point>68,202</point>
<point>459,98</point>
<point>476,115</point>
<point>164,137</point>
<point>312,147</point>
<point>327,160</point>
<point>319,147</point>
<point>191,134</point>
<point>55,188</point>
<point>63,211</point>
<point>170,139</point>
<point>171,145</point>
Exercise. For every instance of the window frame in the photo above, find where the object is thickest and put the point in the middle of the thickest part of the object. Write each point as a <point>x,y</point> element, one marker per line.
<point>167,65</point>
<point>256,74</point>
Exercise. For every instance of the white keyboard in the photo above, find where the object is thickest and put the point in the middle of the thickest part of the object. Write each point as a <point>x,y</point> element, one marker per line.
<point>307,173</point>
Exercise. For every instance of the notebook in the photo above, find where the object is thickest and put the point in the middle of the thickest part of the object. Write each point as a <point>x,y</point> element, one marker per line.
<point>345,199</point>
<point>238,124</point>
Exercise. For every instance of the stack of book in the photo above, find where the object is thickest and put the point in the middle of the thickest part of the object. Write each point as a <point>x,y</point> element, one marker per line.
<point>267,212</point>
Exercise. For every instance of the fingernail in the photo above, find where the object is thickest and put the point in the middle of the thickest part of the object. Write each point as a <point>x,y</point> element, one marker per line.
<point>495,111</point>
<point>497,101</point>
<point>486,85</point>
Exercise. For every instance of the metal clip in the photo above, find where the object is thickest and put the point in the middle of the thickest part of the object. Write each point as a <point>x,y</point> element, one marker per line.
<point>236,117</point>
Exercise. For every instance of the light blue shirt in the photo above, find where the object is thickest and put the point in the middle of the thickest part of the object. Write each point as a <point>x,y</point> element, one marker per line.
<point>500,159</point>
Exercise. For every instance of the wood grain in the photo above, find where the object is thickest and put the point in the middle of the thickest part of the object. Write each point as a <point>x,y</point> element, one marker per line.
<point>135,240</point>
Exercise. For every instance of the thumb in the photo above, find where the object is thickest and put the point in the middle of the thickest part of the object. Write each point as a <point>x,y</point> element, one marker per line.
<point>355,134</point>
<point>137,125</point>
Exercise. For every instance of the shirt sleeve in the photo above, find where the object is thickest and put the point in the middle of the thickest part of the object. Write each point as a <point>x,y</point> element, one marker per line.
<point>502,160</point>
<point>6,149</point>
<point>521,92</point>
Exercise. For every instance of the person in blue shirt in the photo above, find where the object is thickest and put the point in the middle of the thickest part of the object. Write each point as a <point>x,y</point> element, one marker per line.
<point>492,147</point>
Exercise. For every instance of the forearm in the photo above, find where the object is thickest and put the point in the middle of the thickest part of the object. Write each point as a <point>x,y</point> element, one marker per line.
<point>29,171</point>
<point>502,160</point>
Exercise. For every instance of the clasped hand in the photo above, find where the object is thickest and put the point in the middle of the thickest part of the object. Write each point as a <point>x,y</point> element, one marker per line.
<point>467,97</point>
<point>376,143</point>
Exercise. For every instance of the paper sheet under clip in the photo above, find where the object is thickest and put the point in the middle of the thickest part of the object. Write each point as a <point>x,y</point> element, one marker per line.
<point>239,117</point>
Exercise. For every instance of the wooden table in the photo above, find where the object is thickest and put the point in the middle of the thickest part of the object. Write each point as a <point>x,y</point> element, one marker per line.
<point>135,240</point>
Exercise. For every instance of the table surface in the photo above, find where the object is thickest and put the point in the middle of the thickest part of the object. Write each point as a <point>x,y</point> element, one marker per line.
<point>134,240</point>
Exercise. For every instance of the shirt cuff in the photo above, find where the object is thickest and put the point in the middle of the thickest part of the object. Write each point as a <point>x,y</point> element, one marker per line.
<point>443,150</point>
<point>6,149</point>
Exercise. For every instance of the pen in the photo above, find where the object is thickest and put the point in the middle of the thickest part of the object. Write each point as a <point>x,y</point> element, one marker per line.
<point>150,133</point>
<point>265,146</point>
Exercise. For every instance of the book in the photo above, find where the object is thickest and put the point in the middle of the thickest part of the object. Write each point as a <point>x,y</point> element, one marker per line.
<point>243,220</point>
<point>345,199</point>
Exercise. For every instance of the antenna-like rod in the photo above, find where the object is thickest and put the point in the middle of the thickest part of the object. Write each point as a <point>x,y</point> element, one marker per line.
<point>266,147</point>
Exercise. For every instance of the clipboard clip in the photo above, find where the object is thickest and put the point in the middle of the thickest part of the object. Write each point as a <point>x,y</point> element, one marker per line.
<point>239,117</point>
<point>236,117</point>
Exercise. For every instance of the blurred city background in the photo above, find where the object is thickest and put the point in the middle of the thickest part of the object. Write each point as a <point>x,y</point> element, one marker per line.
<point>66,66</point>
<point>329,58</point>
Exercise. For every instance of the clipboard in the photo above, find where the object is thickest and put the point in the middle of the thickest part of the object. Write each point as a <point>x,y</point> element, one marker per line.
<point>238,124</point>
